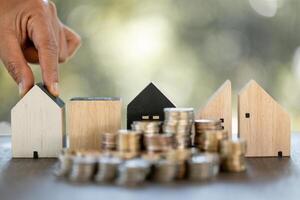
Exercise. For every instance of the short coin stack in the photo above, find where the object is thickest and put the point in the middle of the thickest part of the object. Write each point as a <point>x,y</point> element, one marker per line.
<point>133,172</point>
<point>233,155</point>
<point>203,166</point>
<point>208,135</point>
<point>179,121</point>
<point>129,143</point>
<point>84,167</point>
<point>65,162</point>
<point>107,169</point>
<point>108,141</point>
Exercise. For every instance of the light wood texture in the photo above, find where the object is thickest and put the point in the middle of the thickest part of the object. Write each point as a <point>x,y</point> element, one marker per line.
<point>219,107</point>
<point>37,125</point>
<point>267,129</point>
<point>88,119</point>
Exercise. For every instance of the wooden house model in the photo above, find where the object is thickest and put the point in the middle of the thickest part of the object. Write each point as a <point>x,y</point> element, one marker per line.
<point>219,107</point>
<point>263,123</point>
<point>37,122</point>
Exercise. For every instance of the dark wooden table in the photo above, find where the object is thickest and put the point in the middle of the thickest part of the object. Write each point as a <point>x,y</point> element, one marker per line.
<point>266,178</point>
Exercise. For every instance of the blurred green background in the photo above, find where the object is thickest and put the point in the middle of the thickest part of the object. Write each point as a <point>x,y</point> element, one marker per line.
<point>187,48</point>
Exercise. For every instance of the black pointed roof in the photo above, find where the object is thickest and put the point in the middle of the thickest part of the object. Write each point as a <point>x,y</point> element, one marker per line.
<point>56,100</point>
<point>150,101</point>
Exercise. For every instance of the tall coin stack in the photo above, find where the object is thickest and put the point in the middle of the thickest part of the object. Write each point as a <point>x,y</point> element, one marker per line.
<point>108,141</point>
<point>208,135</point>
<point>179,121</point>
<point>233,155</point>
<point>129,143</point>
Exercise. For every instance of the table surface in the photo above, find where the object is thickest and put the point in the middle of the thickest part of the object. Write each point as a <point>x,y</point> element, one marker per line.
<point>265,178</point>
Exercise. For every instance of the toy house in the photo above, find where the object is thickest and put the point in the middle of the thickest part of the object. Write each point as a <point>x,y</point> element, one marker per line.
<point>219,107</point>
<point>89,117</point>
<point>37,123</point>
<point>263,123</point>
<point>149,104</point>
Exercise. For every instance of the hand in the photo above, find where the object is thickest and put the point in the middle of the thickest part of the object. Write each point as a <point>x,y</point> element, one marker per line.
<point>30,32</point>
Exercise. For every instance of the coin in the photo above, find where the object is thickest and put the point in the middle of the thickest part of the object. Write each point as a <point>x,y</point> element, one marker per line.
<point>179,121</point>
<point>233,155</point>
<point>209,140</point>
<point>108,141</point>
<point>203,166</point>
<point>107,169</point>
<point>65,162</point>
<point>133,172</point>
<point>83,168</point>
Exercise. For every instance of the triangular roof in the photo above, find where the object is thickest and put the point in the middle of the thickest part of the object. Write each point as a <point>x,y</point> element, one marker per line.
<point>217,93</point>
<point>151,95</point>
<point>150,101</point>
<point>55,99</point>
<point>253,83</point>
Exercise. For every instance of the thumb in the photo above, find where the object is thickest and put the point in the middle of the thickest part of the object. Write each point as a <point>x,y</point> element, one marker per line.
<point>15,63</point>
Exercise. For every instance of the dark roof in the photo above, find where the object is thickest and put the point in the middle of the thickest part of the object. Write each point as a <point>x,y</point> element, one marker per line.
<point>57,100</point>
<point>150,101</point>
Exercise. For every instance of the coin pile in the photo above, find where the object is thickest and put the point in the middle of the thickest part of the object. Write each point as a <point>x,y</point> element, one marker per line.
<point>203,166</point>
<point>180,157</point>
<point>208,124</point>
<point>164,170</point>
<point>158,142</point>
<point>107,169</point>
<point>208,135</point>
<point>179,121</point>
<point>108,141</point>
<point>147,127</point>
<point>129,143</point>
<point>84,167</point>
<point>233,155</point>
<point>65,162</point>
<point>133,172</point>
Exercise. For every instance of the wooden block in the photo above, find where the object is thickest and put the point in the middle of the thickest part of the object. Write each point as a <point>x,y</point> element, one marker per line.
<point>88,118</point>
<point>219,107</point>
<point>263,123</point>
<point>149,104</point>
<point>37,123</point>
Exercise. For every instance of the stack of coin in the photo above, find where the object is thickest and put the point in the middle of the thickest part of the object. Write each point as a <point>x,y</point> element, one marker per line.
<point>108,141</point>
<point>133,172</point>
<point>164,170</point>
<point>209,140</point>
<point>129,143</point>
<point>84,167</point>
<point>179,121</point>
<point>158,142</point>
<point>233,155</point>
<point>208,124</point>
<point>65,162</point>
<point>208,134</point>
<point>180,157</point>
<point>107,169</point>
<point>147,127</point>
<point>203,166</point>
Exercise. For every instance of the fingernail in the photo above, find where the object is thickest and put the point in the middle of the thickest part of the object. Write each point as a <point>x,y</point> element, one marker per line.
<point>21,89</point>
<point>55,89</point>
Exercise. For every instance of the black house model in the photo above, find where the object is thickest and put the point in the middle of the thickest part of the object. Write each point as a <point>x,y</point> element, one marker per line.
<point>149,104</point>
